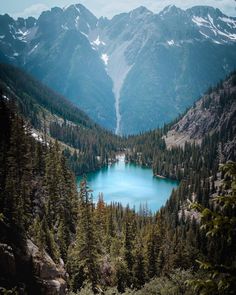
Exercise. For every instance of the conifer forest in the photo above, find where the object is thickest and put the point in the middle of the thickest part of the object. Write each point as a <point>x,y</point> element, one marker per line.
<point>57,236</point>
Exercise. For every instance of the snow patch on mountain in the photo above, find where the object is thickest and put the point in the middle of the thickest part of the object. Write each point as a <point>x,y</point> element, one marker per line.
<point>199,21</point>
<point>171,42</point>
<point>77,21</point>
<point>65,7</point>
<point>118,69</point>
<point>77,8</point>
<point>105,58</point>
<point>64,27</point>
<point>33,49</point>
<point>209,26</point>
<point>230,22</point>
<point>203,34</point>
<point>98,42</point>
<point>84,34</point>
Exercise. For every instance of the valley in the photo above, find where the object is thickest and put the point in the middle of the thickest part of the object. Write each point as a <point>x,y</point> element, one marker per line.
<point>138,66</point>
<point>63,239</point>
<point>118,152</point>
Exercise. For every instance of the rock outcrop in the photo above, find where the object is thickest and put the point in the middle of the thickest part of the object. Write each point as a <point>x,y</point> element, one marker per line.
<point>7,261</point>
<point>26,269</point>
<point>214,112</point>
<point>50,277</point>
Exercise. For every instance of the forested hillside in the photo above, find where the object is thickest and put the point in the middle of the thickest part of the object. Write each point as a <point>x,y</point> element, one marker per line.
<point>38,201</point>
<point>86,145</point>
<point>55,240</point>
<point>204,136</point>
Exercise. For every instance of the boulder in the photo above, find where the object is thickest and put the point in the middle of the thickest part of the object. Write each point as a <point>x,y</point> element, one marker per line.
<point>50,277</point>
<point>7,261</point>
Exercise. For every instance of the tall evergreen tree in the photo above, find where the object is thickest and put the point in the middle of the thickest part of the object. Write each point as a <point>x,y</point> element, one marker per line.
<point>83,257</point>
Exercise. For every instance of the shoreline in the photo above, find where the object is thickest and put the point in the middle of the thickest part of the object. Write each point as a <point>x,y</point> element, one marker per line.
<point>160,176</point>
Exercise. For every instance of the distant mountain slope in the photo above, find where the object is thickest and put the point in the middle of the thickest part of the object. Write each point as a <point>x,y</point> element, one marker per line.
<point>87,145</point>
<point>196,143</point>
<point>39,97</point>
<point>56,50</point>
<point>132,73</point>
<point>214,112</point>
<point>168,60</point>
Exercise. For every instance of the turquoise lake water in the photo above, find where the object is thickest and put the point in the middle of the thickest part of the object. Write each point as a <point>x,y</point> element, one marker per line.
<point>130,184</point>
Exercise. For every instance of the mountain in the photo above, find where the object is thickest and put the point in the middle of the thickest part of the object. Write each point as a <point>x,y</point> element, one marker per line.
<point>54,240</point>
<point>214,113</point>
<point>166,61</point>
<point>204,136</point>
<point>51,117</point>
<point>56,50</point>
<point>131,73</point>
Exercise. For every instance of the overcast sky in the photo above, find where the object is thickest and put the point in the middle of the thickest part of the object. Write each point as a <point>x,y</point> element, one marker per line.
<point>107,7</point>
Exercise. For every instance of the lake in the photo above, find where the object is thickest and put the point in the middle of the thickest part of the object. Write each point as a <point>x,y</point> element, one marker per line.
<point>130,184</point>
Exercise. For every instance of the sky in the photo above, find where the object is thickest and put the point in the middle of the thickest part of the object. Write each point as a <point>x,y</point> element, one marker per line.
<point>107,8</point>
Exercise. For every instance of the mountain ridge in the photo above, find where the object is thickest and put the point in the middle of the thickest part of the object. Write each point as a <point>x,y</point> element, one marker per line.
<point>87,146</point>
<point>124,72</point>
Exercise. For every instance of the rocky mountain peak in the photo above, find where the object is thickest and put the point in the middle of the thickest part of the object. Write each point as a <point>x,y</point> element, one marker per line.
<point>140,11</point>
<point>163,57</point>
<point>204,11</point>
<point>171,10</point>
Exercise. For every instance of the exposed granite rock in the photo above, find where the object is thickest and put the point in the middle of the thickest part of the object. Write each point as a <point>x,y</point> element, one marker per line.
<point>215,111</point>
<point>29,271</point>
<point>7,261</point>
<point>50,277</point>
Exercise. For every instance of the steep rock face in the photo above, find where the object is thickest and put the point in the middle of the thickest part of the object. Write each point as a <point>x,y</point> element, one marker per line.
<point>27,269</point>
<point>7,261</point>
<point>47,277</point>
<point>214,112</point>
<point>131,73</point>
<point>50,277</point>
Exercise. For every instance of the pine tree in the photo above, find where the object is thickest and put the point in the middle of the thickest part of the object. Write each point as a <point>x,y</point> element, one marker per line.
<point>83,257</point>
<point>220,226</point>
<point>139,266</point>
<point>121,276</point>
<point>18,177</point>
<point>129,246</point>
<point>152,253</point>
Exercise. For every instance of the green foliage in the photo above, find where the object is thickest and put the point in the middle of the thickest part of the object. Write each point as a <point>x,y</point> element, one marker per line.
<point>83,256</point>
<point>139,266</point>
<point>122,276</point>
<point>4,291</point>
<point>90,146</point>
<point>38,192</point>
<point>113,249</point>
<point>220,224</point>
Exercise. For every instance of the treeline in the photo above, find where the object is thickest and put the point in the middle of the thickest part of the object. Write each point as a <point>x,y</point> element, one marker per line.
<point>89,145</point>
<point>118,250</point>
<point>38,194</point>
<point>196,167</point>
<point>92,149</point>
<point>185,248</point>
<point>107,246</point>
